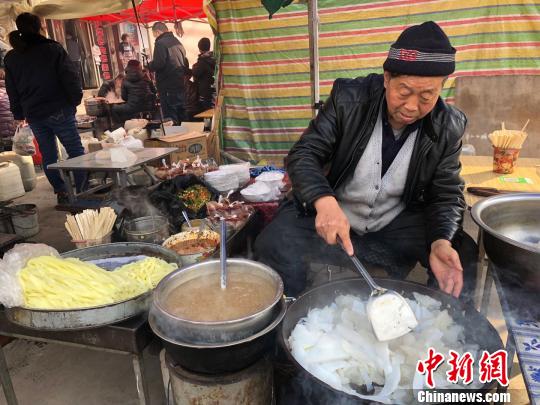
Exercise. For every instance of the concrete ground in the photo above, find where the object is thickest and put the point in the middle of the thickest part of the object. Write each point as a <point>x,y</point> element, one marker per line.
<point>52,374</point>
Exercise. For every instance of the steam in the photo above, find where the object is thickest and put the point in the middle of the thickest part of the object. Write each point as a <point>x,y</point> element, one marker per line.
<point>136,202</point>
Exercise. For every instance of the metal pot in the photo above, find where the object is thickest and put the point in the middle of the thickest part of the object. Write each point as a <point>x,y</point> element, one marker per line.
<point>180,330</point>
<point>511,234</point>
<point>297,385</point>
<point>96,106</point>
<point>226,357</point>
<point>151,229</point>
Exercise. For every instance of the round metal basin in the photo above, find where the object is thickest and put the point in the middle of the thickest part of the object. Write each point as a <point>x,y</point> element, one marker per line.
<point>511,232</point>
<point>86,318</point>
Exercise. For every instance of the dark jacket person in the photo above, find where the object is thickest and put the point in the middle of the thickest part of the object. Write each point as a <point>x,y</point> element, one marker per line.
<point>203,75</point>
<point>44,88</point>
<point>171,67</point>
<point>137,91</point>
<point>379,168</point>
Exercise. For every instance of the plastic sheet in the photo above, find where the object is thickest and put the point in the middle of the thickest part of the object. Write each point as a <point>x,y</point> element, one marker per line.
<point>11,294</point>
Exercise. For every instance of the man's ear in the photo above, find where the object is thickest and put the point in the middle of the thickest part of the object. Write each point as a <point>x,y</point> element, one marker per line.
<point>387,78</point>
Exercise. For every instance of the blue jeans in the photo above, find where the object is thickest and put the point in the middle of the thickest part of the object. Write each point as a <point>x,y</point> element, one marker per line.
<point>63,125</point>
<point>173,106</point>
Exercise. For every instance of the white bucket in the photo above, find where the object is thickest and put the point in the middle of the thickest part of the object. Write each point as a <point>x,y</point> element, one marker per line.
<point>25,223</point>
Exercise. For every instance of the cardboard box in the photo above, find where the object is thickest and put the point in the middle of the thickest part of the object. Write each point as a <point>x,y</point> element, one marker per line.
<point>189,145</point>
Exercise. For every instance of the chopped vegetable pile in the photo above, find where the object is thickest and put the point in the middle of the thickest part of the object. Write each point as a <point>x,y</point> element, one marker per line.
<point>195,197</point>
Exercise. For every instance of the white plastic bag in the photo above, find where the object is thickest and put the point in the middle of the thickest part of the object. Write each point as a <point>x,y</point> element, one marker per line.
<point>11,293</point>
<point>23,141</point>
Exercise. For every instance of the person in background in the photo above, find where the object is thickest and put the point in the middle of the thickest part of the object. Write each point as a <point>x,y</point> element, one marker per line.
<point>8,125</point>
<point>4,46</point>
<point>203,75</point>
<point>44,88</point>
<point>171,67</point>
<point>138,93</point>
<point>112,89</point>
<point>126,50</point>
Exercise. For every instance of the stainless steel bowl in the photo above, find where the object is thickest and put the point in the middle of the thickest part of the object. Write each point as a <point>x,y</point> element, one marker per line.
<point>150,229</point>
<point>511,234</point>
<point>184,331</point>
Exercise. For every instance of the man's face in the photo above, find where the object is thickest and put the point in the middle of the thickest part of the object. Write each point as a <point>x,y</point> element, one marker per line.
<point>156,33</point>
<point>410,98</point>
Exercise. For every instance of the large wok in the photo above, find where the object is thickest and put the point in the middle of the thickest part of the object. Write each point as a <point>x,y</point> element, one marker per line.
<point>300,387</point>
<point>511,234</point>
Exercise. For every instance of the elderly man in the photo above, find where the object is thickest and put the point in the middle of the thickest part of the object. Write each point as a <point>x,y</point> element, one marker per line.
<point>379,168</point>
<point>171,67</point>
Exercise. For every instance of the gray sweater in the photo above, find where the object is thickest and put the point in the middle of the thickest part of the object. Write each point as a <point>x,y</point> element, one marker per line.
<point>369,201</point>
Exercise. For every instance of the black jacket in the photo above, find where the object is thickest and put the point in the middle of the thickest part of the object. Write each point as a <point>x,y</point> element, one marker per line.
<point>137,91</point>
<point>41,79</point>
<point>329,150</point>
<point>169,63</point>
<point>203,75</point>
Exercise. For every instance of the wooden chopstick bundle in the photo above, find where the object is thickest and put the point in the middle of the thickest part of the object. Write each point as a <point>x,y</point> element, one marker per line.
<point>508,139</point>
<point>90,224</point>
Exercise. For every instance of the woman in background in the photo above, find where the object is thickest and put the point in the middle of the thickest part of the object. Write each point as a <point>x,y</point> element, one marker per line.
<point>8,125</point>
<point>138,92</point>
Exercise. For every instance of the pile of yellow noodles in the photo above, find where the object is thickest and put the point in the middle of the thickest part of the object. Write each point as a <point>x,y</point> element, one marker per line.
<point>53,283</point>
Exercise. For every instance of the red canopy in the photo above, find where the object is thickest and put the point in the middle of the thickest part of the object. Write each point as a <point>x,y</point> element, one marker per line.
<point>157,10</point>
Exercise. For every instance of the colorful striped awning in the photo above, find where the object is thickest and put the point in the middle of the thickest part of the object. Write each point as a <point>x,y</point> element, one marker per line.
<point>265,63</point>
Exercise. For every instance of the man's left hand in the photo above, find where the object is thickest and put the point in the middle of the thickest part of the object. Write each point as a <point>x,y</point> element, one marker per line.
<point>446,267</point>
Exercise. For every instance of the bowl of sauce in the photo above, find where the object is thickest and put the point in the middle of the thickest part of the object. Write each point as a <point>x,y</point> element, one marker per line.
<point>193,246</point>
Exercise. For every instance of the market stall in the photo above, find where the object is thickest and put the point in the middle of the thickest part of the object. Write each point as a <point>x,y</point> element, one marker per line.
<point>220,338</point>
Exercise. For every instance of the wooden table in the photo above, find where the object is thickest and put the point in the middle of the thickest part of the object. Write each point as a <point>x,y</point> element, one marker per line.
<point>477,171</point>
<point>208,115</point>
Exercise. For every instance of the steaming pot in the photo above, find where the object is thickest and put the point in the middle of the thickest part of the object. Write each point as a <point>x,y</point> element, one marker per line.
<point>223,346</point>
<point>297,385</point>
<point>511,234</point>
<point>183,331</point>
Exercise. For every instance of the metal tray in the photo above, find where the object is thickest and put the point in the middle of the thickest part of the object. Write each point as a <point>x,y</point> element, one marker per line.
<point>93,317</point>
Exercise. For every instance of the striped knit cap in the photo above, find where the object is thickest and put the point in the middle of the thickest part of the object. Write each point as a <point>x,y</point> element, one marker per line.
<point>422,50</point>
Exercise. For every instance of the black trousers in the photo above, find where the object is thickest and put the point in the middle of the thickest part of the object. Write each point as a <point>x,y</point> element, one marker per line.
<point>290,243</point>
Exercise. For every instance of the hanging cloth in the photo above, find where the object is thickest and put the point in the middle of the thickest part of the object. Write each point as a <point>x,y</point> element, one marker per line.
<point>272,6</point>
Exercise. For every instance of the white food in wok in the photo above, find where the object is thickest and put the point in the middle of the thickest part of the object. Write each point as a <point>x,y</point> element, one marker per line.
<point>337,345</point>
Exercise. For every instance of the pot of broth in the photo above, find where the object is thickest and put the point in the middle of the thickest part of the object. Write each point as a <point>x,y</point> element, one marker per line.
<point>189,306</point>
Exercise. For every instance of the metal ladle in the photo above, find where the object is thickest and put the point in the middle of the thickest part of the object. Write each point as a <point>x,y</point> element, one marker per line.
<point>389,313</point>
<point>223,253</point>
<point>188,222</point>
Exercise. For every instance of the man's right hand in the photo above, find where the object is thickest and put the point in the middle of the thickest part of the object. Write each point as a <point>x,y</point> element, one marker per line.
<point>331,222</point>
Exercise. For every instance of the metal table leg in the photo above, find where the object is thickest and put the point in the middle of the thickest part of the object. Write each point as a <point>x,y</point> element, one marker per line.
<point>480,270</point>
<point>142,386</point>
<point>5,379</point>
<point>122,179</point>
<point>69,186</point>
<point>486,295</point>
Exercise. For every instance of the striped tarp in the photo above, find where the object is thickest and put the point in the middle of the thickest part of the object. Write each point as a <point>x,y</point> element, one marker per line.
<point>265,63</point>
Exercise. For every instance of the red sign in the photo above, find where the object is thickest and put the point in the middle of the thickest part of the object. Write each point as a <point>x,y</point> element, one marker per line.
<point>105,66</point>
